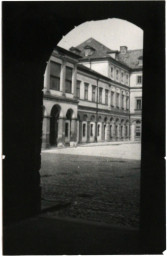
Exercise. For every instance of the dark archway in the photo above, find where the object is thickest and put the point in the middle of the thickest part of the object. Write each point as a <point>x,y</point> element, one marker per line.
<point>55,112</point>
<point>30,32</point>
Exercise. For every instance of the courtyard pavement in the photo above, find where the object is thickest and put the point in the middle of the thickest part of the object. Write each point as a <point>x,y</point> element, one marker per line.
<point>124,150</point>
<point>94,183</point>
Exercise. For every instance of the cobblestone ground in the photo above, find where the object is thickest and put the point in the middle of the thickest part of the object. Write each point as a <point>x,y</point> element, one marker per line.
<point>92,188</point>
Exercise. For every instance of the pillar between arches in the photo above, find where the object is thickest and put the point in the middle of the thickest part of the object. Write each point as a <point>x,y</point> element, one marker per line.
<point>61,132</point>
<point>107,137</point>
<point>45,132</point>
<point>133,131</point>
<point>73,137</point>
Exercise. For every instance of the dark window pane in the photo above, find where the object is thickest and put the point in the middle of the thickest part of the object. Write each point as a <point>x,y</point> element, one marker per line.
<point>55,83</point>
<point>55,69</point>
<point>68,73</point>
<point>68,86</point>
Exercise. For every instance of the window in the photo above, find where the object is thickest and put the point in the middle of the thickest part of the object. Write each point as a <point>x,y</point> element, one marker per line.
<point>122,101</point>
<point>139,79</point>
<point>127,102</point>
<point>55,69</point>
<point>66,129</point>
<point>106,97</point>
<point>84,130</point>
<point>122,76</point>
<point>78,89</point>
<point>110,131</point>
<point>93,93</point>
<point>98,130</point>
<point>127,78</point>
<point>138,104</point>
<point>117,100</point>
<point>68,82</point>
<point>112,72</point>
<point>117,74</point>
<point>91,130</point>
<point>100,95</point>
<point>126,131</point>
<point>86,91</point>
<point>138,130</point>
<point>112,99</point>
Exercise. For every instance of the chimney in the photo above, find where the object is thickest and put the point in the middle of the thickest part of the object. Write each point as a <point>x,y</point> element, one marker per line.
<point>123,49</point>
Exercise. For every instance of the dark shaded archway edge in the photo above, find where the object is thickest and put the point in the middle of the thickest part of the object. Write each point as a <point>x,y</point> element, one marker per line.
<point>30,32</point>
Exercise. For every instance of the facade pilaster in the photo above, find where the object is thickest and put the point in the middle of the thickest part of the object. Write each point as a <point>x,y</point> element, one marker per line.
<point>73,137</point>
<point>132,131</point>
<point>74,81</point>
<point>61,132</point>
<point>47,79</point>
<point>45,132</point>
<point>62,77</point>
<point>107,137</point>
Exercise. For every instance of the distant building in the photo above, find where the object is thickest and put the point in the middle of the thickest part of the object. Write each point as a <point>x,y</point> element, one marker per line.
<point>92,93</point>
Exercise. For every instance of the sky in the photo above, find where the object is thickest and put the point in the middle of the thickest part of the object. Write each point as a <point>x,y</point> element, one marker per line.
<point>113,33</point>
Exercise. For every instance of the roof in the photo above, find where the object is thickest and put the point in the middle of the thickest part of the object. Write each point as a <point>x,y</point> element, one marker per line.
<point>100,49</point>
<point>131,58</point>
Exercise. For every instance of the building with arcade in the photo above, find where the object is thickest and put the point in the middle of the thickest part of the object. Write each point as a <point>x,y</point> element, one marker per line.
<point>92,94</point>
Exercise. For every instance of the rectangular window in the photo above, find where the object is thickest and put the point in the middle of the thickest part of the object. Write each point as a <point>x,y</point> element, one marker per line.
<point>86,91</point>
<point>100,95</point>
<point>112,99</point>
<point>68,81</point>
<point>127,78</point>
<point>117,100</point>
<point>84,130</point>
<point>106,97</point>
<point>91,130</point>
<point>122,101</point>
<point>112,72</point>
<point>138,104</point>
<point>93,93</point>
<point>66,129</point>
<point>139,79</point>
<point>122,77</point>
<point>117,74</point>
<point>138,131</point>
<point>127,102</point>
<point>98,130</point>
<point>78,89</point>
<point>55,69</point>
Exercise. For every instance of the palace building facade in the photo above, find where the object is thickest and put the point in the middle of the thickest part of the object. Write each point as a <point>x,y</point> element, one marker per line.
<point>92,94</point>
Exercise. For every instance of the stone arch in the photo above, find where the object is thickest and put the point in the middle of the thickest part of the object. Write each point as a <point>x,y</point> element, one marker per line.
<point>85,117</point>
<point>69,114</point>
<point>92,118</point>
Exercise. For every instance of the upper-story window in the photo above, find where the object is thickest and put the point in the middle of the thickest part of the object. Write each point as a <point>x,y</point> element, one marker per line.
<point>122,101</point>
<point>86,91</point>
<point>139,79</point>
<point>55,69</point>
<point>78,89</point>
<point>68,81</point>
<point>112,72</point>
<point>122,77</point>
<point>117,100</point>
<point>117,74</point>
<point>100,95</point>
<point>127,102</point>
<point>138,104</point>
<point>112,99</point>
<point>93,93</point>
<point>106,97</point>
<point>127,78</point>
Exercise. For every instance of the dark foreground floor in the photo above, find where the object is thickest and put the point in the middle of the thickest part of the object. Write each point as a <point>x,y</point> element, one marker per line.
<point>100,189</point>
<point>49,236</point>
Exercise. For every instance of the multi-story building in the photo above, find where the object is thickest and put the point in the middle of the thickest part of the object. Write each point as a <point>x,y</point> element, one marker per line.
<point>92,93</point>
